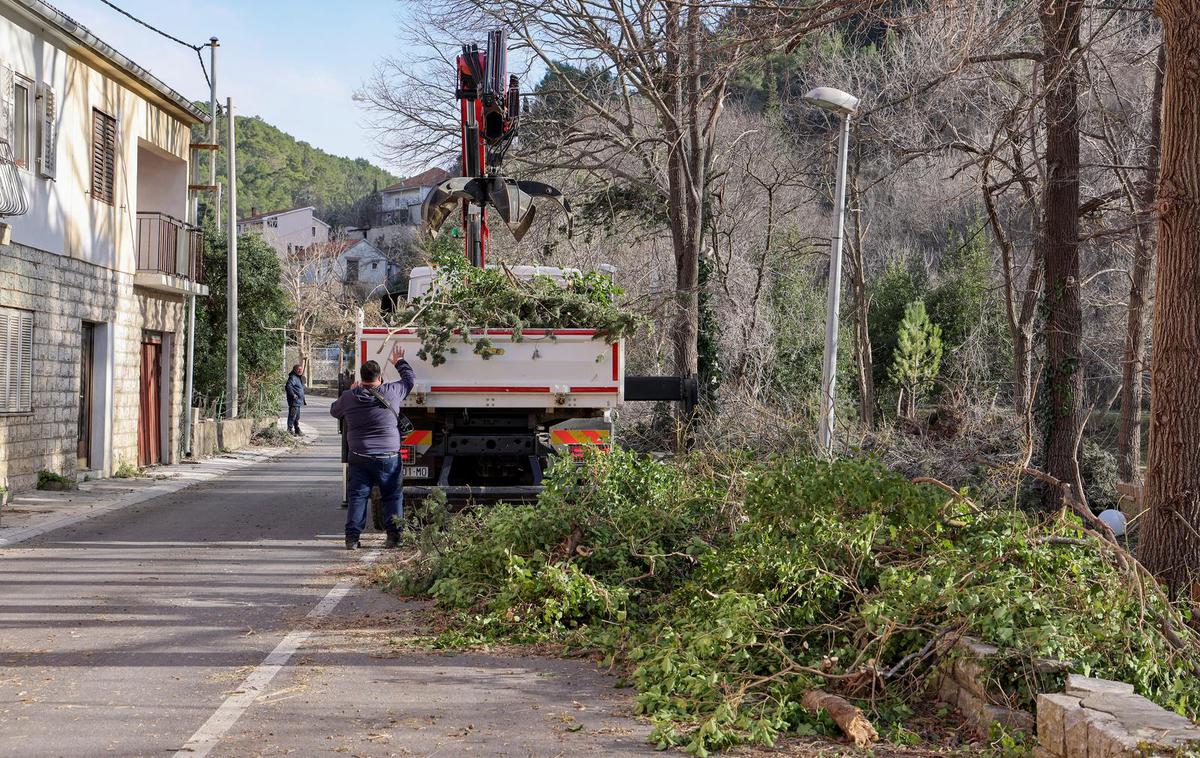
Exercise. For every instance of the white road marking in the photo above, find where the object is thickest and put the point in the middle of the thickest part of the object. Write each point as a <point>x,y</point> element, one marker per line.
<point>227,714</point>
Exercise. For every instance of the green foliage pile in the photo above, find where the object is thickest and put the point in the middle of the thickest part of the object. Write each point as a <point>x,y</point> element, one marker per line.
<point>276,171</point>
<point>263,313</point>
<point>467,301</point>
<point>727,592</point>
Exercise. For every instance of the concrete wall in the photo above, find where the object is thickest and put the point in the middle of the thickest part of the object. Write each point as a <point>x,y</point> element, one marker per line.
<point>64,292</point>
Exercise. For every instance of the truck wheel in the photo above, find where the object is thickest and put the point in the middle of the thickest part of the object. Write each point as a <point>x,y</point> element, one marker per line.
<point>377,509</point>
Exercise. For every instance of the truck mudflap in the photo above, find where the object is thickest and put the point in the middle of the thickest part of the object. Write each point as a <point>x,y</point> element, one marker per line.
<point>462,492</point>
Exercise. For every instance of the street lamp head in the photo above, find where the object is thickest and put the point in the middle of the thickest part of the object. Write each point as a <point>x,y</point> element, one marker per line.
<point>830,99</point>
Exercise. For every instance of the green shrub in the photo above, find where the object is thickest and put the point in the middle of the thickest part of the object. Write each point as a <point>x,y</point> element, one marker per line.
<point>49,480</point>
<point>729,591</point>
<point>126,470</point>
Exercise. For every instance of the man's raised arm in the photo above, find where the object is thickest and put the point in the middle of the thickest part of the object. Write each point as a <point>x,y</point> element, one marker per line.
<point>408,378</point>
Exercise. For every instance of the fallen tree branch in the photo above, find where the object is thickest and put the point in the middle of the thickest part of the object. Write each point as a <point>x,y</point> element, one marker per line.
<point>849,718</point>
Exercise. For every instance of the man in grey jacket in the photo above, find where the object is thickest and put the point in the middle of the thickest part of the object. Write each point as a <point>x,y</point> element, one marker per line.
<point>373,437</point>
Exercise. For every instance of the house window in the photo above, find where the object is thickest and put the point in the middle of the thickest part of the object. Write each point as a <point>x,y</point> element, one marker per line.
<point>374,265</point>
<point>402,216</point>
<point>351,271</point>
<point>314,231</point>
<point>16,361</point>
<point>21,130</point>
<point>104,156</point>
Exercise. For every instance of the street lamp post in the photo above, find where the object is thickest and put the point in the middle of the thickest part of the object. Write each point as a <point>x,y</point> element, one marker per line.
<point>843,104</point>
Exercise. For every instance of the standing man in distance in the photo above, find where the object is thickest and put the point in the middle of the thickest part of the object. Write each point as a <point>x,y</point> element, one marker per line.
<point>294,389</point>
<point>369,410</point>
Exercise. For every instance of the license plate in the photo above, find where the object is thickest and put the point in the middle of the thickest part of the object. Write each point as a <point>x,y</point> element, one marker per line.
<point>416,472</point>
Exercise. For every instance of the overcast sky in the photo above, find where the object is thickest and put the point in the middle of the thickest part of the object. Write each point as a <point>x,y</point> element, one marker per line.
<point>295,63</point>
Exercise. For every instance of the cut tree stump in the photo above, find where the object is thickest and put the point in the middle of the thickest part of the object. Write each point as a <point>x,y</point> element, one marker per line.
<point>848,717</point>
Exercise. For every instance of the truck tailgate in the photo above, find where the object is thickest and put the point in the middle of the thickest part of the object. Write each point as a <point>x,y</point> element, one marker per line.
<point>559,368</point>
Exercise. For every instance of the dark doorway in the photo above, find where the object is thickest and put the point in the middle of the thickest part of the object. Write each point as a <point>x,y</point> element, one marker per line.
<point>149,416</point>
<point>87,354</point>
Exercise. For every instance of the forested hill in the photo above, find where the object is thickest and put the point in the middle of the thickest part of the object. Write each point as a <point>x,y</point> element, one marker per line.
<point>275,171</point>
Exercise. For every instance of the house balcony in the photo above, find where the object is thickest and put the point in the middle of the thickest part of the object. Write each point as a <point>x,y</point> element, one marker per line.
<point>170,255</point>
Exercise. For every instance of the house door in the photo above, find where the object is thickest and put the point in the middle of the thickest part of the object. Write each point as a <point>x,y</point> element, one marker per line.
<point>83,444</point>
<point>149,420</point>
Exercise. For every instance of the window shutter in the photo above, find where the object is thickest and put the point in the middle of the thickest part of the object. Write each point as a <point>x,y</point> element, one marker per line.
<point>6,372</point>
<point>6,103</point>
<point>16,361</point>
<point>104,156</point>
<point>25,359</point>
<point>48,145</point>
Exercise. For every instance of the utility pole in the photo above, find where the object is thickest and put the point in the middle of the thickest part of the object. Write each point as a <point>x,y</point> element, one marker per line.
<point>231,286</point>
<point>213,44</point>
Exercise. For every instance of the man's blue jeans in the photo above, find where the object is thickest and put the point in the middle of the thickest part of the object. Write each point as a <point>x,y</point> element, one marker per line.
<point>294,418</point>
<point>381,470</point>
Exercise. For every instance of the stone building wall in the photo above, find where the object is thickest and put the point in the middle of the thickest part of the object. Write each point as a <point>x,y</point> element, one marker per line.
<point>63,292</point>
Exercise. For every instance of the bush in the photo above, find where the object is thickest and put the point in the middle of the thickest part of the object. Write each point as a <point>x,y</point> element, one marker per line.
<point>729,591</point>
<point>49,480</point>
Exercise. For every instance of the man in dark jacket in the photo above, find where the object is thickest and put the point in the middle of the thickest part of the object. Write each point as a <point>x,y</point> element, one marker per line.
<point>373,436</point>
<point>294,389</point>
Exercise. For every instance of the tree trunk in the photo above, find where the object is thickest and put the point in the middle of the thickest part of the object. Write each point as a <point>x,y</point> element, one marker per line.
<point>860,302</point>
<point>1060,243</point>
<point>1170,540</point>
<point>1129,438</point>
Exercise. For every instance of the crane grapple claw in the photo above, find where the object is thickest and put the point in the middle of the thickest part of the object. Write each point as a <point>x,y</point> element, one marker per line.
<point>513,200</point>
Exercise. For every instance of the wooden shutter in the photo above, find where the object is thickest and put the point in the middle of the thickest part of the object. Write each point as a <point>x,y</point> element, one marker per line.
<point>16,361</point>
<point>104,156</point>
<point>48,137</point>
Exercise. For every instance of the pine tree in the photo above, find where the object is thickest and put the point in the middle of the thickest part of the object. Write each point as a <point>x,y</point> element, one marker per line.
<point>917,357</point>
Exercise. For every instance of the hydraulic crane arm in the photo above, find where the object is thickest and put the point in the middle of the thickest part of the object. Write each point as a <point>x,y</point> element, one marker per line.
<point>490,104</point>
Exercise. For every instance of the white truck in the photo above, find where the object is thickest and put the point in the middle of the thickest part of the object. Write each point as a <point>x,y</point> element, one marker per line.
<point>486,430</point>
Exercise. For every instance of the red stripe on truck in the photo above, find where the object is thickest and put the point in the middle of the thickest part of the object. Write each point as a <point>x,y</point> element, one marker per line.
<point>479,390</point>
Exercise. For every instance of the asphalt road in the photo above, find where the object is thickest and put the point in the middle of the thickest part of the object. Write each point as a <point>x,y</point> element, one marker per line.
<point>220,620</point>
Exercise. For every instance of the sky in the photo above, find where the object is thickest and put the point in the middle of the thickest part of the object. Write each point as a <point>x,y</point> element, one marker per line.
<point>295,63</point>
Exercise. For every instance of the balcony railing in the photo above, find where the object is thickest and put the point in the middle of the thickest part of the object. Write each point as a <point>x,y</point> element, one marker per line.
<point>169,246</point>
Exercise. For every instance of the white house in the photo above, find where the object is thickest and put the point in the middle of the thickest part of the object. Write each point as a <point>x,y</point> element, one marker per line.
<point>288,230</point>
<point>355,263</point>
<point>96,255</point>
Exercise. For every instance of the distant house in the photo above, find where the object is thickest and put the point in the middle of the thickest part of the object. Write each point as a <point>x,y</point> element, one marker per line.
<point>399,218</point>
<point>286,230</point>
<point>355,263</point>
<point>97,255</point>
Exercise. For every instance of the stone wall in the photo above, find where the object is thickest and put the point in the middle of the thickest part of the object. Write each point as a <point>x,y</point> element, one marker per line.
<point>63,292</point>
<point>1097,718</point>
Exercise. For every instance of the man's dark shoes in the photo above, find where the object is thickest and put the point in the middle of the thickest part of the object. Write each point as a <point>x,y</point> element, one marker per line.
<point>351,543</point>
<point>393,541</point>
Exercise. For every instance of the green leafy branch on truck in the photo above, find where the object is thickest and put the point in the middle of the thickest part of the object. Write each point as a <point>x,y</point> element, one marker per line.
<point>465,302</point>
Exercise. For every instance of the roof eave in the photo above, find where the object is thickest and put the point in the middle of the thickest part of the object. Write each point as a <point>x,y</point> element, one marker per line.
<point>82,42</point>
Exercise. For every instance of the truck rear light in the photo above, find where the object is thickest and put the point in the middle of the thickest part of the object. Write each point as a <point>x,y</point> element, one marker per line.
<point>578,449</point>
<point>408,453</point>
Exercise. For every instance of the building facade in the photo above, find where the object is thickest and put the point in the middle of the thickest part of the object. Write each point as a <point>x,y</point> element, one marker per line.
<point>288,231</point>
<point>99,260</point>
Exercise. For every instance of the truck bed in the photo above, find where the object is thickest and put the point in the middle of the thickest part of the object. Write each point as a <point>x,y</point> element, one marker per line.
<point>547,369</point>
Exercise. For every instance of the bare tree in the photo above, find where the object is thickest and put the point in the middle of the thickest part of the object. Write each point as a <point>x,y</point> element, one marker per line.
<point>647,111</point>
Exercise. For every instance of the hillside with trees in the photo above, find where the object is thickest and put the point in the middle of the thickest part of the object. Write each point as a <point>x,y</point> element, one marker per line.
<point>276,171</point>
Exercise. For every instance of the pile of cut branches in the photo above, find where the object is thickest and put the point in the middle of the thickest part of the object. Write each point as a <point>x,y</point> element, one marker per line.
<point>465,302</point>
<point>728,592</point>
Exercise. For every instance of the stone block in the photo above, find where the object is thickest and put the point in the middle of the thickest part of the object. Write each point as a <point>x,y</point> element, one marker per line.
<point>1012,719</point>
<point>948,690</point>
<point>1075,733</point>
<point>1082,686</point>
<point>1051,721</point>
<point>1107,738</point>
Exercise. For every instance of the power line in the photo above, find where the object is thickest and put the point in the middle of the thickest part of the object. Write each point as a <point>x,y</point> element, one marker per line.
<point>158,31</point>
